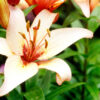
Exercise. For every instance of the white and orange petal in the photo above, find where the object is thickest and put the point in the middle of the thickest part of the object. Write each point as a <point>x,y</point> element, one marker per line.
<point>16,73</point>
<point>62,38</point>
<point>16,24</point>
<point>4,48</point>
<point>85,7</point>
<point>46,19</point>
<point>60,67</point>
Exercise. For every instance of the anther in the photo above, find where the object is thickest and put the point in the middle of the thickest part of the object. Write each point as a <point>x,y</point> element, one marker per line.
<point>46,43</point>
<point>48,32</point>
<point>28,25</point>
<point>39,24</point>
<point>22,34</point>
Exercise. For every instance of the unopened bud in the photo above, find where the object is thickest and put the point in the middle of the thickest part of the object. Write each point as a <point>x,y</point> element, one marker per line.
<point>13,2</point>
<point>4,13</point>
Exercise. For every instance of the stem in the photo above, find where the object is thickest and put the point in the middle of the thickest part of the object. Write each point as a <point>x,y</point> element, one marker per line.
<point>23,87</point>
<point>84,70</point>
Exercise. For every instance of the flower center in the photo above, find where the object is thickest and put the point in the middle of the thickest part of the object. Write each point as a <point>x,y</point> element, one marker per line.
<point>31,50</point>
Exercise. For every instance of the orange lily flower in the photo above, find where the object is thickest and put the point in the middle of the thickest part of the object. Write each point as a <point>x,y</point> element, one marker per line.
<point>45,4</point>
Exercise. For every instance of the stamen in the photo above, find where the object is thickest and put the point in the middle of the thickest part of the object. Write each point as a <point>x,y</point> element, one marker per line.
<point>39,24</point>
<point>22,34</point>
<point>28,26</point>
<point>35,35</point>
<point>48,32</point>
<point>46,43</point>
<point>35,29</point>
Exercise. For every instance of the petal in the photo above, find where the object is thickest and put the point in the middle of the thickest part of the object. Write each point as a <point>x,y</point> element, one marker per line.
<point>23,4</point>
<point>62,38</point>
<point>46,19</point>
<point>85,7</point>
<point>16,24</point>
<point>4,49</point>
<point>15,73</point>
<point>93,4</point>
<point>60,67</point>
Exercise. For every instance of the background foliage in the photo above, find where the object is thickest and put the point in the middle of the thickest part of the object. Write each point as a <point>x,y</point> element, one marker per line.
<point>83,58</point>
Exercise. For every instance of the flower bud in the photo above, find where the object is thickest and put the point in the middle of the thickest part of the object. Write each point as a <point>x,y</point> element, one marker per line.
<point>13,2</point>
<point>4,13</point>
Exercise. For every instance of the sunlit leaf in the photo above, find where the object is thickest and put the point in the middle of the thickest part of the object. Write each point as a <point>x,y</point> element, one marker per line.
<point>62,89</point>
<point>29,9</point>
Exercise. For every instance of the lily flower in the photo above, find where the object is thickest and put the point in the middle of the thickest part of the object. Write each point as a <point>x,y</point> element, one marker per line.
<point>87,6</point>
<point>30,48</point>
<point>45,4</point>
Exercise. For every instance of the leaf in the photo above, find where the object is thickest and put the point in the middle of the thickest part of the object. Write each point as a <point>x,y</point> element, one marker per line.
<point>29,9</point>
<point>62,89</point>
<point>94,21</point>
<point>45,84</point>
<point>2,32</point>
<point>93,24</point>
<point>14,95</point>
<point>96,12</point>
<point>35,93</point>
<point>67,53</point>
<point>54,26</point>
<point>77,23</point>
<point>94,91</point>
<point>72,17</point>
<point>31,82</point>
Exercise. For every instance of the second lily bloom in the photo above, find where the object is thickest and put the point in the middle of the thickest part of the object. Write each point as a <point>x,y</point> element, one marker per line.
<point>87,6</point>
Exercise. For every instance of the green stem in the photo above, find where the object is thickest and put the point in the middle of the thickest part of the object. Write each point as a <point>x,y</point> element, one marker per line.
<point>23,87</point>
<point>84,70</point>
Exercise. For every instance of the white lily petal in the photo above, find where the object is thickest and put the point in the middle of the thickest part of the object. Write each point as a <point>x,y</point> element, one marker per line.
<point>15,73</point>
<point>85,7</point>
<point>60,67</point>
<point>4,49</point>
<point>16,24</point>
<point>62,38</point>
<point>46,19</point>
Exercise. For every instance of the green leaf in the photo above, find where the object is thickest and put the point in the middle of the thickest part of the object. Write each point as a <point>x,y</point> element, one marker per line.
<point>62,89</point>
<point>72,17</point>
<point>35,93</point>
<point>94,91</point>
<point>2,32</point>
<point>77,23</point>
<point>67,53</point>
<point>54,26</point>
<point>31,82</point>
<point>96,12</point>
<point>14,95</point>
<point>93,24</point>
<point>29,9</point>
<point>45,83</point>
<point>94,20</point>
